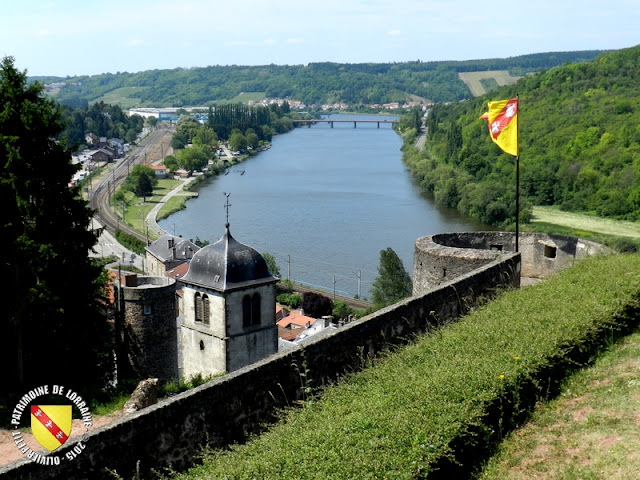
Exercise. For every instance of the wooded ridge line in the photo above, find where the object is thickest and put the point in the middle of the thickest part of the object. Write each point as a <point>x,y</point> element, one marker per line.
<point>312,84</point>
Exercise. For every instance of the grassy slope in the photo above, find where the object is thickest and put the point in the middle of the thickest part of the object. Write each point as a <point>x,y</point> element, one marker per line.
<point>125,97</point>
<point>590,431</point>
<point>472,80</point>
<point>443,398</point>
<point>589,223</point>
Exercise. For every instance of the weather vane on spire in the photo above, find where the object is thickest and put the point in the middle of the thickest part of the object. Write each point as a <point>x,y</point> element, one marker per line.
<point>226,206</point>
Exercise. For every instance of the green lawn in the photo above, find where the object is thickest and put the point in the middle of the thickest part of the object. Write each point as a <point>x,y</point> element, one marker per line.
<point>136,210</point>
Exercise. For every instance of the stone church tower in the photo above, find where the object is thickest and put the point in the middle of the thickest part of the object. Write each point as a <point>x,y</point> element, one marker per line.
<point>229,309</point>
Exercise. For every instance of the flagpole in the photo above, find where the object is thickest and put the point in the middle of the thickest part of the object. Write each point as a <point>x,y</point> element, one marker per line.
<point>518,174</point>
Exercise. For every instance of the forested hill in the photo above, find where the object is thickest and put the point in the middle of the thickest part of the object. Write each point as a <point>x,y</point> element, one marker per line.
<point>316,83</point>
<point>579,145</point>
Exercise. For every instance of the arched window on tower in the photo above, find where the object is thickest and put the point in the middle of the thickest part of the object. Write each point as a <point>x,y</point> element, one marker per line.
<point>251,310</point>
<point>246,311</point>
<point>205,309</point>
<point>255,309</point>
<point>197,301</point>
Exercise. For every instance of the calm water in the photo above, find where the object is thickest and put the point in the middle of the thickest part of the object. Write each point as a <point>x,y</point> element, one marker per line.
<point>324,201</point>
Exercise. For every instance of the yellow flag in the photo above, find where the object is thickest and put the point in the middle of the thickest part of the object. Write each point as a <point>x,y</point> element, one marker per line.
<point>502,118</point>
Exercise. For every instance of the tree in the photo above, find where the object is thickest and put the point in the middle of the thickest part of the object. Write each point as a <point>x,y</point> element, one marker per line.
<point>188,126</point>
<point>52,293</point>
<point>205,136</point>
<point>151,121</point>
<point>316,305</point>
<point>171,163</point>
<point>134,178</point>
<point>272,265</point>
<point>195,157</point>
<point>143,187</point>
<point>237,141</point>
<point>393,282</point>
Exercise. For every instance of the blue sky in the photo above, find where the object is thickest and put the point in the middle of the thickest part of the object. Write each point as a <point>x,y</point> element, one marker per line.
<point>73,37</point>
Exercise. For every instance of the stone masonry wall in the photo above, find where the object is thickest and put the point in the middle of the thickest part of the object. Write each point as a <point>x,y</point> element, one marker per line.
<point>439,258</point>
<point>226,409</point>
<point>150,335</point>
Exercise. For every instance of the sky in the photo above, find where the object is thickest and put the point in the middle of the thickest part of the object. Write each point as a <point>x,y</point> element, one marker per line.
<point>80,37</point>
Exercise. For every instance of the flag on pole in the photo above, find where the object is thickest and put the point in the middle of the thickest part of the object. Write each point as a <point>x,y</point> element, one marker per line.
<point>502,118</point>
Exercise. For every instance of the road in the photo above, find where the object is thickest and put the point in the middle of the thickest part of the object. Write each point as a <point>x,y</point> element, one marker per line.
<point>150,151</point>
<point>421,139</point>
<point>107,245</point>
<point>151,219</point>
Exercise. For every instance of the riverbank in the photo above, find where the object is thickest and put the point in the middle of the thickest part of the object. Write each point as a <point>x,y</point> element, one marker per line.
<point>324,202</point>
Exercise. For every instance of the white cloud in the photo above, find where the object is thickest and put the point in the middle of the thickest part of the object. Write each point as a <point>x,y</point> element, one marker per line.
<point>270,41</point>
<point>394,33</point>
<point>294,41</point>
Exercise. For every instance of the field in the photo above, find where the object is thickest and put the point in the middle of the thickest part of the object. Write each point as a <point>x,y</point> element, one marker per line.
<point>245,97</point>
<point>473,80</point>
<point>587,223</point>
<point>125,97</point>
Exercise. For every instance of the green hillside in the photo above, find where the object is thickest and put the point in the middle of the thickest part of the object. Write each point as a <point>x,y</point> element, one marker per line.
<point>315,83</point>
<point>579,145</point>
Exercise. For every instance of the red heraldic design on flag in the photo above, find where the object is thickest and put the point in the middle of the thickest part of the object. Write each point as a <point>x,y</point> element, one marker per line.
<point>503,125</point>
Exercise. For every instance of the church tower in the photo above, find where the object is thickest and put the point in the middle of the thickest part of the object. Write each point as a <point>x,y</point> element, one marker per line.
<point>229,309</point>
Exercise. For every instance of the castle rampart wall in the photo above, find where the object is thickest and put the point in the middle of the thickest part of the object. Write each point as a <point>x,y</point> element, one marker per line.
<point>439,258</point>
<point>226,409</point>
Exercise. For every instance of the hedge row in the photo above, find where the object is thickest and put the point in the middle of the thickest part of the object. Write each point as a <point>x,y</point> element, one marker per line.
<point>436,407</point>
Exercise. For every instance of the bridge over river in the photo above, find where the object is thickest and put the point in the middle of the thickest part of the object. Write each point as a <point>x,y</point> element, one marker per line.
<point>331,122</point>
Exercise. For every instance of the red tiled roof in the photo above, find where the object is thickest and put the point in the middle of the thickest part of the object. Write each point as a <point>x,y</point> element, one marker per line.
<point>289,334</point>
<point>295,319</point>
<point>281,312</point>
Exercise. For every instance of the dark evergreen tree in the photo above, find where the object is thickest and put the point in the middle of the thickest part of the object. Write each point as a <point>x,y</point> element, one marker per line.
<point>316,305</point>
<point>143,187</point>
<point>393,282</point>
<point>52,293</point>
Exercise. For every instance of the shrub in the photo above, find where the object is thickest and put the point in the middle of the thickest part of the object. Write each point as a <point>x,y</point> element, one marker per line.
<point>289,299</point>
<point>316,305</point>
<point>129,241</point>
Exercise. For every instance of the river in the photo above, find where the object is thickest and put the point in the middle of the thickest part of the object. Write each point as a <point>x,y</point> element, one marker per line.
<point>324,201</point>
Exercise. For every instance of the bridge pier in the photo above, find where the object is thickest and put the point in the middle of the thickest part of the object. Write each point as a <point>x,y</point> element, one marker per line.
<point>378,124</point>
<point>354,124</point>
<point>331,124</point>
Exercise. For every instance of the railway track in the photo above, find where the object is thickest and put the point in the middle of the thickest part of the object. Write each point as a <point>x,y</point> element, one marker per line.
<point>150,151</point>
<point>351,302</point>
